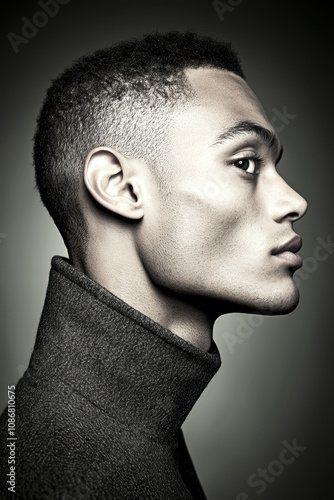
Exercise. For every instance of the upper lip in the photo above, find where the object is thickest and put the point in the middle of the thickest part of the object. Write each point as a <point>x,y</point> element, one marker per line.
<point>293,245</point>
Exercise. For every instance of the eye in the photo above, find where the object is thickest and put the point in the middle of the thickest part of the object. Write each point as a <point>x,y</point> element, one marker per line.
<point>249,165</point>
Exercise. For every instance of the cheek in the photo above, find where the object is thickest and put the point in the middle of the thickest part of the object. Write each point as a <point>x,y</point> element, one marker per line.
<point>186,240</point>
<point>215,221</point>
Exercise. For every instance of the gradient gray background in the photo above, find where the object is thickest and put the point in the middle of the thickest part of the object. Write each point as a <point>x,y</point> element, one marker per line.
<point>276,385</point>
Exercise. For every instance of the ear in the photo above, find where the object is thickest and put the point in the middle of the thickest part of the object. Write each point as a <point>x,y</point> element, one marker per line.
<point>112,180</point>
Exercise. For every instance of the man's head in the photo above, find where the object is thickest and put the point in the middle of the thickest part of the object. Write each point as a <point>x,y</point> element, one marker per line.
<point>121,97</point>
<point>162,142</point>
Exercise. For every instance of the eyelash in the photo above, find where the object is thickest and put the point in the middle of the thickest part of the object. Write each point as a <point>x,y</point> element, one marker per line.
<point>256,159</point>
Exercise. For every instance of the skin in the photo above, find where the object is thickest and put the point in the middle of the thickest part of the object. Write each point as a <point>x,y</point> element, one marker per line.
<point>202,247</point>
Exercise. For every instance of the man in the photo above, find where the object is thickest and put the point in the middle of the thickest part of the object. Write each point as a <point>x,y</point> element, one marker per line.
<point>157,163</point>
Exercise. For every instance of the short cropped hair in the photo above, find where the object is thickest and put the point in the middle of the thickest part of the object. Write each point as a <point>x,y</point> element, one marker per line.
<point>121,97</point>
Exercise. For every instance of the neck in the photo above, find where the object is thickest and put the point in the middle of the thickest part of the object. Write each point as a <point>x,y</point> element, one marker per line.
<point>178,314</point>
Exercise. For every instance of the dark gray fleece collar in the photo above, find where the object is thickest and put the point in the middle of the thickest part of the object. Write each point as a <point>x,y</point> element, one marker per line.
<point>138,372</point>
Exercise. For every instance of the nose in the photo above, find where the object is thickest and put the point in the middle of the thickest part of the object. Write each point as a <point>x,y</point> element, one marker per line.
<point>287,204</point>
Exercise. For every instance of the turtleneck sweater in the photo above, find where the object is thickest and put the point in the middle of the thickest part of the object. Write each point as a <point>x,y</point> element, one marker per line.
<point>100,408</point>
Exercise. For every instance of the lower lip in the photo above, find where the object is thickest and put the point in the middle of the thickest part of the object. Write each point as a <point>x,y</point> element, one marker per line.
<point>293,259</point>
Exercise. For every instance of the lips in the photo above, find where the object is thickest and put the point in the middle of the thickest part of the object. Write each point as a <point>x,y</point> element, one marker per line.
<point>293,245</point>
<point>288,252</point>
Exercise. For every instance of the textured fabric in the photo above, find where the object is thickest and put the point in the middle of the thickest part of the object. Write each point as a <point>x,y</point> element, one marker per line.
<point>100,407</point>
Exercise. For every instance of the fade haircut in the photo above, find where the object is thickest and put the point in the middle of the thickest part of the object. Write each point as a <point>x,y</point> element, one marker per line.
<point>121,97</point>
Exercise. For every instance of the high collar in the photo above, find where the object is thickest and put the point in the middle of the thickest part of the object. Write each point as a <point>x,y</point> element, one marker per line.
<point>138,372</point>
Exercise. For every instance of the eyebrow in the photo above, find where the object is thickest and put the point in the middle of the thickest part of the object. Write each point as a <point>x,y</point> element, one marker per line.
<point>268,137</point>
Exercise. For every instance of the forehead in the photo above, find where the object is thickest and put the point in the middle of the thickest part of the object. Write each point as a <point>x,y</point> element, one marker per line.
<point>220,100</point>
<point>227,92</point>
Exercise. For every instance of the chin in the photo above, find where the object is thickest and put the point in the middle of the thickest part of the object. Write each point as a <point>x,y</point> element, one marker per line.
<point>277,298</point>
<point>277,301</point>
<point>283,302</point>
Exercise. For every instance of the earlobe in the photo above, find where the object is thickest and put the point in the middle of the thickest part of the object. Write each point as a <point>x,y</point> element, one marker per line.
<point>111,180</point>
